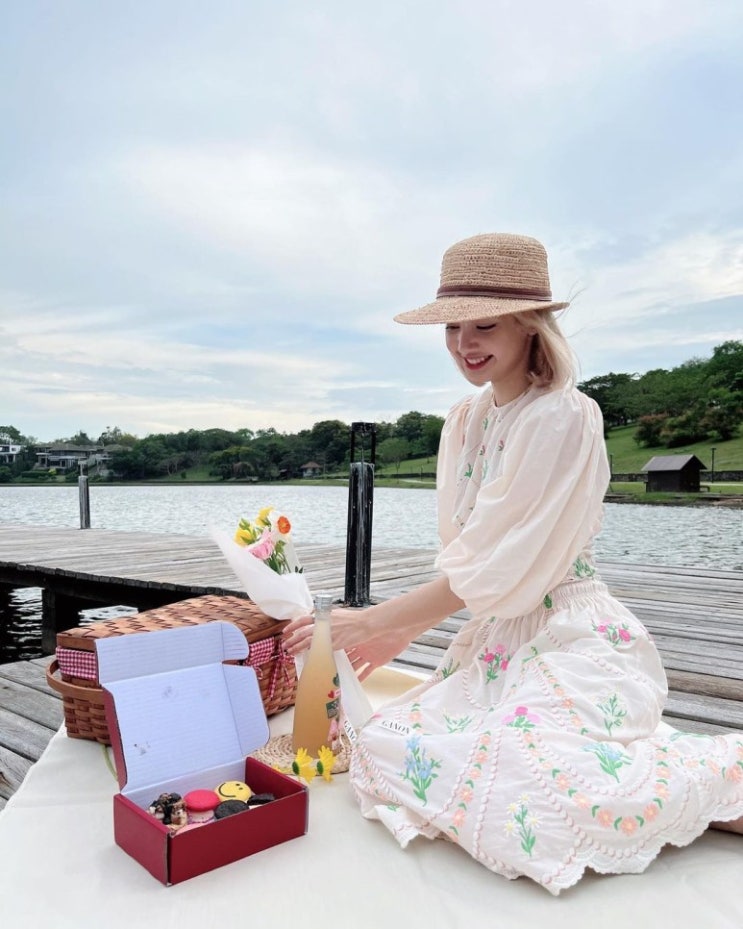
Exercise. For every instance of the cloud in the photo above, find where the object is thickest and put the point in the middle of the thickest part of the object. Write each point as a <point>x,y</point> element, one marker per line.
<point>211,220</point>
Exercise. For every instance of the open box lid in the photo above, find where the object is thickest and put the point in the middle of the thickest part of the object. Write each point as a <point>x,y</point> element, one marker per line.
<point>178,708</point>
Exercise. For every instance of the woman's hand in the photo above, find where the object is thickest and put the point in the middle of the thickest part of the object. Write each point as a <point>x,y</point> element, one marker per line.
<point>350,627</point>
<point>366,642</point>
<point>374,635</point>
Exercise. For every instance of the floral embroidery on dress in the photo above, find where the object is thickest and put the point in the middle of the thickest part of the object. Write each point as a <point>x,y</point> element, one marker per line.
<point>448,669</point>
<point>468,470</point>
<point>521,718</point>
<point>467,790</point>
<point>419,769</point>
<point>501,445</point>
<point>566,702</point>
<point>614,634</point>
<point>604,815</point>
<point>610,757</point>
<point>614,710</point>
<point>522,824</point>
<point>547,602</point>
<point>496,660</point>
<point>582,568</point>
<point>458,723</point>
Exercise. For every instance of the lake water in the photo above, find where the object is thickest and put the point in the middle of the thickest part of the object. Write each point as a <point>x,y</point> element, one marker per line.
<point>682,536</point>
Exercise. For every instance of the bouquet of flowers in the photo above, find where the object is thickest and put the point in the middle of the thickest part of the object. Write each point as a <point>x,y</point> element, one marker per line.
<point>269,538</point>
<point>262,555</point>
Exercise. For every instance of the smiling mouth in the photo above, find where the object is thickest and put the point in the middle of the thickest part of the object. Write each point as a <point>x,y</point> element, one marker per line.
<point>474,364</point>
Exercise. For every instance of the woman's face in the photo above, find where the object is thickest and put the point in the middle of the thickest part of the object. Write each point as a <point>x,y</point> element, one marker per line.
<point>492,350</point>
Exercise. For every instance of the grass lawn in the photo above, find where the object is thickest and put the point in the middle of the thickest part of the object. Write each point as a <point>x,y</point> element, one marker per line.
<point>626,454</point>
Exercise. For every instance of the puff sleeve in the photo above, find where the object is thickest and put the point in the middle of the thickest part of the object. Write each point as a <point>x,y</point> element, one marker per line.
<point>535,517</point>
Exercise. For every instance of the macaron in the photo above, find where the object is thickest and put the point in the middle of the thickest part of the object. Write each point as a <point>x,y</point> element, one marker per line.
<point>200,805</point>
<point>233,790</point>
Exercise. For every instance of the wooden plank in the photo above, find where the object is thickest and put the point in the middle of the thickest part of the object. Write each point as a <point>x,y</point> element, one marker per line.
<point>13,769</point>
<point>31,674</point>
<point>708,684</point>
<point>23,736</point>
<point>726,713</point>
<point>693,725</point>
<point>30,704</point>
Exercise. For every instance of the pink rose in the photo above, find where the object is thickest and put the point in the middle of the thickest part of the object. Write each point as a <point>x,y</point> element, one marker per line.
<point>264,547</point>
<point>624,635</point>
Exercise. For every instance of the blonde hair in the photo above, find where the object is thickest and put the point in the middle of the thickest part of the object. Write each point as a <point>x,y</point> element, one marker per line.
<point>551,360</point>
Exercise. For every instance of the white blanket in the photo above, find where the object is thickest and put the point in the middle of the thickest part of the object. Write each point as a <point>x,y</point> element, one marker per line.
<point>59,867</point>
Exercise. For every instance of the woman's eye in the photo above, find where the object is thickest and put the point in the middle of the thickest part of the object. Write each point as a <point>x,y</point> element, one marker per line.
<point>450,327</point>
<point>486,328</point>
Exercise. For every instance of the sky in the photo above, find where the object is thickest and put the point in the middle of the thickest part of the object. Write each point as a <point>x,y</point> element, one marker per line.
<point>210,213</point>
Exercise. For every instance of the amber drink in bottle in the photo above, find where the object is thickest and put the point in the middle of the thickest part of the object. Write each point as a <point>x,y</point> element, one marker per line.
<point>317,702</point>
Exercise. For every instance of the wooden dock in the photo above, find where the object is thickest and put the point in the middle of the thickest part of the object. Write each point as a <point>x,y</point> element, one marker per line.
<point>695,616</point>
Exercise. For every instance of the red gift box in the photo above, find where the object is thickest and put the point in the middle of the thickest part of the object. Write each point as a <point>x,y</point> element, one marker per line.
<point>180,719</point>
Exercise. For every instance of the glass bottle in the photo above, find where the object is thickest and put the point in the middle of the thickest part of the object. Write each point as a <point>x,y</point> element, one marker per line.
<point>317,702</point>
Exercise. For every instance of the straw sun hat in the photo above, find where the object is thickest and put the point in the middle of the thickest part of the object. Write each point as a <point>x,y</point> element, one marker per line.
<point>488,275</point>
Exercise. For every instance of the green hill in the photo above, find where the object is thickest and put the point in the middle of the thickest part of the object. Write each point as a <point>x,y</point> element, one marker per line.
<point>627,456</point>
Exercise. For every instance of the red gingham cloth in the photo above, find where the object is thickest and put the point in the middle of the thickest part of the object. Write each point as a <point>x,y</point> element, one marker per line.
<point>77,663</point>
<point>266,650</point>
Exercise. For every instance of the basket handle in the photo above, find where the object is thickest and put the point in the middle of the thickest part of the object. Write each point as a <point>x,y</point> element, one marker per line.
<point>89,694</point>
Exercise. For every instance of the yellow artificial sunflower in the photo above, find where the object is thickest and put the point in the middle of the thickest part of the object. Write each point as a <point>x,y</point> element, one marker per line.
<point>304,766</point>
<point>325,762</point>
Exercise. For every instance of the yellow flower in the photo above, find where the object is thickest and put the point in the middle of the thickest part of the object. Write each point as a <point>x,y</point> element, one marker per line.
<point>262,519</point>
<point>326,760</point>
<point>244,537</point>
<point>303,766</point>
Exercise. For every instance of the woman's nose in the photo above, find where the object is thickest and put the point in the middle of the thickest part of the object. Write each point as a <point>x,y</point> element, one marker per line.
<point>467,339</point>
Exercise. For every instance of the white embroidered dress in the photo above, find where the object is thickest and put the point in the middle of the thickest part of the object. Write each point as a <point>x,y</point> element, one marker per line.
<point>534,745</point>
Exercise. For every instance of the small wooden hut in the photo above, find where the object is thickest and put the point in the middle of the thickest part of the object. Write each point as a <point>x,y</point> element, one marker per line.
<point>673,473</point>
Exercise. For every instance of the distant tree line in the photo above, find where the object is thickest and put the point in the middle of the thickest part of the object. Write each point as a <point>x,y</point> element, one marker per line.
<point>696,401</point>
<point>699,400</point>
<point>244,454</point>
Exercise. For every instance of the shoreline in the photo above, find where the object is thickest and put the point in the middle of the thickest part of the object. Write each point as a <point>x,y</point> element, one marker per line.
<point>730,501</point>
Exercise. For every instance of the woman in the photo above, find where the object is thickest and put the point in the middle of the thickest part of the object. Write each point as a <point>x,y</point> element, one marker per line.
<point>537,744</point>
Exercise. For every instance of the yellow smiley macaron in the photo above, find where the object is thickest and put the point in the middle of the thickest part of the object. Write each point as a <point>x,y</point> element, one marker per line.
<point>234,790</point>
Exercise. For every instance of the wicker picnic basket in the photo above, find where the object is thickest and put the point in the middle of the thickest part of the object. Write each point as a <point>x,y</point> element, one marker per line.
<point>75,662</point>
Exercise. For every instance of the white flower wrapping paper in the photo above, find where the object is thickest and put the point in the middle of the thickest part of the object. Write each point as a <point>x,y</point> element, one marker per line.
<point>285,597</point>
<point>281,596</point>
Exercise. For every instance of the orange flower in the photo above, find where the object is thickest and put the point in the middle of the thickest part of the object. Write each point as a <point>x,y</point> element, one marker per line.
<point>283,525</point>
<point>605,818</point>
<point>562,781</point>
<point>628,825</point>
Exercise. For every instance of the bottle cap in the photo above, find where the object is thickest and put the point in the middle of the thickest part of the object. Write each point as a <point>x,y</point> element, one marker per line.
<point>323,601</point>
